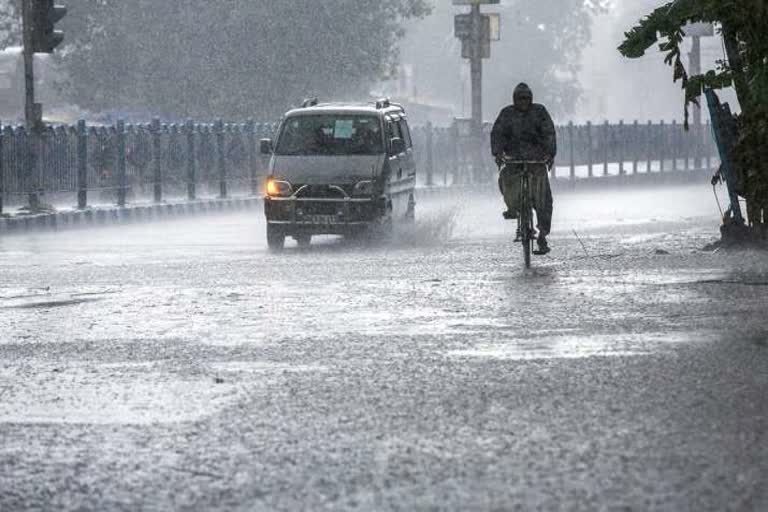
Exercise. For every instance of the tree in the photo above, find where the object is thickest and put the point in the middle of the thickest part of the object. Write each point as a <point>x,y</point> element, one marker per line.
<point>10,24</point>
<point>234,59</point>
<point>743,26</point>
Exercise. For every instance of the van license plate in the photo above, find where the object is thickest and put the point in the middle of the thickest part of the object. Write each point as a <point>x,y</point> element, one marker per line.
<point>322,219</point>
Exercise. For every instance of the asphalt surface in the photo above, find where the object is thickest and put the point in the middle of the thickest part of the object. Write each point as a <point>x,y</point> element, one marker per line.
<point>182,366</point>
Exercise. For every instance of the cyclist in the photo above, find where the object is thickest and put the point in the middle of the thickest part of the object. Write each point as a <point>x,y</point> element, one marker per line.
<point>525,131</point>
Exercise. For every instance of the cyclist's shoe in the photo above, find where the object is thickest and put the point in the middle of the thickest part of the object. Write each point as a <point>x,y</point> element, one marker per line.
<point>543,246</point>
<point>510,215</point>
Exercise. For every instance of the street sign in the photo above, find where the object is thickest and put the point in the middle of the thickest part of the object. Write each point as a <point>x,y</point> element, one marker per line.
<point>494,27</point>
<point>489,31</point>
<point>699,30</point>
<point>462,26</point>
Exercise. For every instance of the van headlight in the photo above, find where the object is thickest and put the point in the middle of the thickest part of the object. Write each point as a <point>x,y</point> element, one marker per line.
<point>363,188</point>
<point>279,188</point>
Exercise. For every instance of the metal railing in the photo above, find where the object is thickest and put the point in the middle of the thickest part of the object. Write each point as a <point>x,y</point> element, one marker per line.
<point>127,163</point>
<point>584,151</point>
<point>132,162</point>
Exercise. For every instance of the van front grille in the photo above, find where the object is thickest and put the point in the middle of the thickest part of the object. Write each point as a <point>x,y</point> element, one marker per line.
<point>323,191</point>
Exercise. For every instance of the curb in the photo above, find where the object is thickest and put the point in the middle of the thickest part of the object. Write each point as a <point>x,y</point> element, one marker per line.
<point>94,217</point>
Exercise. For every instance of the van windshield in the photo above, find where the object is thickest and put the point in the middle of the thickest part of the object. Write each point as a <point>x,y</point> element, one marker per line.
<point>331,135</point>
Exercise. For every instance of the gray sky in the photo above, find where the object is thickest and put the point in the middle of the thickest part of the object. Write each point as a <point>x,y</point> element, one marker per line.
<point>615,88</point>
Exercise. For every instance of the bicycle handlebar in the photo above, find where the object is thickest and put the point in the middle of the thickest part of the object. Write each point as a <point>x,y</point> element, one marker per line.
<point>523,162</point>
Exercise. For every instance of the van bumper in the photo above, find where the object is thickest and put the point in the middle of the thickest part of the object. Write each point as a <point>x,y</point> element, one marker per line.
<point>324,216</point>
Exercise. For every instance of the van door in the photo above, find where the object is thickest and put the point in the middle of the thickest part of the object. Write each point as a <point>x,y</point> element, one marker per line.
<point>409,166</point>
<point>400,181</point>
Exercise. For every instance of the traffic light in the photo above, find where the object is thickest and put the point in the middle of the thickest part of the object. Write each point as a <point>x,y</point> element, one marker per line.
<point>45,15</point>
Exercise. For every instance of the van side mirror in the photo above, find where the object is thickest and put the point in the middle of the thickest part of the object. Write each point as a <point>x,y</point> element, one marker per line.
<point>397,146</point>
<point>266,146</point>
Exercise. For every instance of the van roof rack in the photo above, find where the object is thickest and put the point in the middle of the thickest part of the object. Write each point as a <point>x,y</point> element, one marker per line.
<point>309,102</point>
<point>387,103</point>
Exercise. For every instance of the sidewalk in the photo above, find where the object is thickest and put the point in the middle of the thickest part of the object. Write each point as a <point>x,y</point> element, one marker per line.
<point>110,215</point>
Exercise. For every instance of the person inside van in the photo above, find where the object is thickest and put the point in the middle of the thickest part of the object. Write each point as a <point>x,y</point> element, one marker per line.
<point>365,140</point>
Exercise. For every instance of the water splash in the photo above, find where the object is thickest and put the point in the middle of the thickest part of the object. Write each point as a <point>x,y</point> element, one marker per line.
<point>429,229</point>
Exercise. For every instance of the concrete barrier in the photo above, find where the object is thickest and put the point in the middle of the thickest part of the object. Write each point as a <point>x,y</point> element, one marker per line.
<point>60,221</point>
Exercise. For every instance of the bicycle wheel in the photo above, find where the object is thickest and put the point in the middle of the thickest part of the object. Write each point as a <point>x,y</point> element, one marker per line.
<point>526,222</point>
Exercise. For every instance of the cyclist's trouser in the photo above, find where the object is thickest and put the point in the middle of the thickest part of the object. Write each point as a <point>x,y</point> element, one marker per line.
<point>509,184</point>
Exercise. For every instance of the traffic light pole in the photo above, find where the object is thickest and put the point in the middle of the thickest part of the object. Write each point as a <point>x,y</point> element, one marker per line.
<point>476,66</point>
<point>695,69</point>
<point>32,111</point>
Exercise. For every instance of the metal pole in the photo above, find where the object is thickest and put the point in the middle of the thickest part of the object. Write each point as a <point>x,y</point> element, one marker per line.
<point>707,147</point>
<point>674,145</point>
<point>649,148</point>
<point>455,167</point>
<point>32,111</point>
<point>590,155</point>
<point>622,138</point>
<point>82,165</point>
<point>572,155</point>
<point>635,145</point>
<point>430,164</point>
<point>157,160</point>
<point>662,145</point>
<point>29,68</point>
<point>606,145</point>
<point>476,63</point>
<point>221,157</point>
<point>121,181</point>
<point>695,69</point>
<point>476,72</point>
<point>191,178</point>
<point>253,160</point>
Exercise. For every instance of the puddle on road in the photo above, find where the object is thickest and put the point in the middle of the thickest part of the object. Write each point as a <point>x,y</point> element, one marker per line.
<point>50,303</point>
<point>263,367</point>
<point>131,393</point>
<point>45,299</point>
<point>580,346</point>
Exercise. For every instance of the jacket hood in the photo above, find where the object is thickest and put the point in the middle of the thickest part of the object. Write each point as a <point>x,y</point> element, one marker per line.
<point>522,90</point>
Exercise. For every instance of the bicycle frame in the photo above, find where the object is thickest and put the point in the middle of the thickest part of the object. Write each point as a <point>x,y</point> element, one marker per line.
<point>525,217</point>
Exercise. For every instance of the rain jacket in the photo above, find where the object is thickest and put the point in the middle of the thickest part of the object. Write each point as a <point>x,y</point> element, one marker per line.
<point>524,134</point>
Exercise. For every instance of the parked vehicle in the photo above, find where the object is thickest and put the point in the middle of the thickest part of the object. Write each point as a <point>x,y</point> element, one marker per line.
<point>341,169</point>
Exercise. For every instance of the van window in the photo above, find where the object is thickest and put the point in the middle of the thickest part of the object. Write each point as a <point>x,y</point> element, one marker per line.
<point>330,135</point>
<point>406,133</point>
<point>393,130</point>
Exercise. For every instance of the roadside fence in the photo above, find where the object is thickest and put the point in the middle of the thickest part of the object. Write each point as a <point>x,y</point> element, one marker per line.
<point>157,162</point>
<point>445,158</point>
<point>128,163</point>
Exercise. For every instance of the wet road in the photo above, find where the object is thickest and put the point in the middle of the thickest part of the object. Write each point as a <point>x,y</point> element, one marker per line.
<point>182,366</point>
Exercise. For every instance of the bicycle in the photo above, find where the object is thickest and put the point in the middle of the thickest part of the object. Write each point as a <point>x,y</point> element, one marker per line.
<point>526,233</point>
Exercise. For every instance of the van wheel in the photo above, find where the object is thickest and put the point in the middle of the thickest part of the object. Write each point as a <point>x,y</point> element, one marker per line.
<point>383,229</point>
<point>303,240</point>
<point>275,238</point>
<point>410,214</point>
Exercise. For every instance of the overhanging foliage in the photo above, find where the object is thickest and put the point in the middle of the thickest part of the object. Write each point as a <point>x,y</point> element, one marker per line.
<point>743,24</point>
